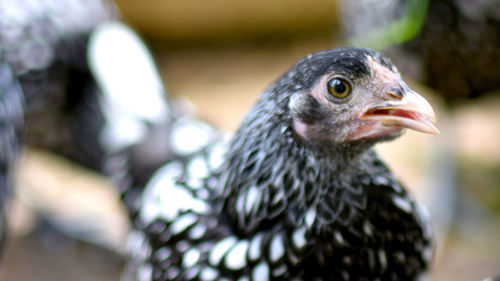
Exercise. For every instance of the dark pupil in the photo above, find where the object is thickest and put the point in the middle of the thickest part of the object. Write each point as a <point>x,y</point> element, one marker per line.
<point>339,87</point>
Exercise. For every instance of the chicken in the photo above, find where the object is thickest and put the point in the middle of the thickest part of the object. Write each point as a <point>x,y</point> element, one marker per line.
<point>297,193</point>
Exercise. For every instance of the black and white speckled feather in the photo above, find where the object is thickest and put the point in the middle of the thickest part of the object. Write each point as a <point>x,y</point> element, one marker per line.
<point>92,91</point>
<point>275,202</point>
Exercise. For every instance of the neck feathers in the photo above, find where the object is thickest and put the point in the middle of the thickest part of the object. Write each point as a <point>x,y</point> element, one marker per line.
<point>271,173</point>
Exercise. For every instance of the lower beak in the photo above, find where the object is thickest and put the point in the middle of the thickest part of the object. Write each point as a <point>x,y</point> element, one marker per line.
<point>412,111</point>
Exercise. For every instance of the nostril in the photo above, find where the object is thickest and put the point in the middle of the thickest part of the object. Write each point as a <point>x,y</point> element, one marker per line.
<point>395,93</point>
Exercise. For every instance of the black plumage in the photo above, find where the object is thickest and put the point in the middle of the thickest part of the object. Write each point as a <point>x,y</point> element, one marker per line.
<point>297,192</point>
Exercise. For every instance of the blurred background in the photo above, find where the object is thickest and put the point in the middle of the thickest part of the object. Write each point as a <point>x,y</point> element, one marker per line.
<point>218,56</point>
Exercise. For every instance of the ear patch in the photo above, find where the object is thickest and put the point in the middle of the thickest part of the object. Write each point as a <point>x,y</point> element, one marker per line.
<point>305,107</point>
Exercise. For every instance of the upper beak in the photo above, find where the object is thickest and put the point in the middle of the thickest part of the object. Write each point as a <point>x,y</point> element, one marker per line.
<point>411,111</point>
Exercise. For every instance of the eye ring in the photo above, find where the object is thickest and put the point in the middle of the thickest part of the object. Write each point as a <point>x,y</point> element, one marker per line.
<point>339,88</point>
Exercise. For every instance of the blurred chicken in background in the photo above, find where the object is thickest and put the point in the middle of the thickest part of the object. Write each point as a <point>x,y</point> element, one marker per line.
<point>89,91</point>
<point>452,45</point>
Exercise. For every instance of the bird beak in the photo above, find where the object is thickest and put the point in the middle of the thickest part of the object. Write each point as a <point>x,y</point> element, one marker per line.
<point>410,111</point>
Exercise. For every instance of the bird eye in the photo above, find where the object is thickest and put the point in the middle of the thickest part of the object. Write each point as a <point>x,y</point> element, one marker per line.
<point>339,88</point>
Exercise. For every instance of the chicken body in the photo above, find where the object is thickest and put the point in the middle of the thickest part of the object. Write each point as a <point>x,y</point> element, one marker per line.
<point>297,193</point>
